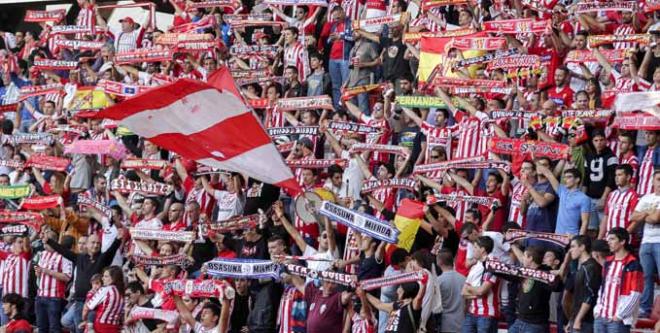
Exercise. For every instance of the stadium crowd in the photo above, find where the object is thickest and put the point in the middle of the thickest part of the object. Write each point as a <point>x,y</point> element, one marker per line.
<point>465,166</point>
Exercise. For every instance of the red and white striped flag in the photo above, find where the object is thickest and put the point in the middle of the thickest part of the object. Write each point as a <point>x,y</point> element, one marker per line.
<point>208,123</point>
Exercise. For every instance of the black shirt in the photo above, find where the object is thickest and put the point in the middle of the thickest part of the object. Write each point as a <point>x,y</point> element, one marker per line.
<point>86,266</point>
<point>394,66</point>
<point>534,300</point>
<point>599,172</point>
<point>239,313</point>
<point>259,195</point>
<point>401,320</point>
<point>586,283</point>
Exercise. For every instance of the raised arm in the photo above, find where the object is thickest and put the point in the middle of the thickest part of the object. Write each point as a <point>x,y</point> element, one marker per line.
<point>278,214</point>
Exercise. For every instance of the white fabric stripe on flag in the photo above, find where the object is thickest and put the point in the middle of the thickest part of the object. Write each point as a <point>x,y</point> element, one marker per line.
<point>261,161</point>
<point>175,117</point>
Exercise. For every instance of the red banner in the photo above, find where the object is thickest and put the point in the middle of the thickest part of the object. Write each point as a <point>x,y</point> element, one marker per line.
<point>31,91</point>
<point>50,64</point>
<point>637,122</point>
<point>612,56</point>
<point>44,15</point>
<point>44,162</point>
<point>143,55</point>
<point>479,43</point>
<point>79,44</point>
<point>510,146</point>
<point>40,203</point>
<point>513,27</point>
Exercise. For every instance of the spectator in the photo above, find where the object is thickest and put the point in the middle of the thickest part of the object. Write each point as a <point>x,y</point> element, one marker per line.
<point>616,303</point>
<point>574,206</point>
<point>646,213</point>
<point>585,284</point>
<point>480,292</point>
<point>450,283</point>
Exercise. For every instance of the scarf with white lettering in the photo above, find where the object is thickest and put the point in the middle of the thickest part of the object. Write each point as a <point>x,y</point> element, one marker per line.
<point>609,6</point>
<point>14,230</point>
<point>207,288</point>
<point>40,203</point>
<point>33,91</point>
<point>143,55</point>
<point>236,223</point>
<point>305,103</point>
<point>348,280</point>
<point>73,44</point>
<point>384,149</point>
<point>498,267</point>
<point>44,162</point>
<point>484,58</point>
<point>471,199</point>
<point>514,235</point>
<point>510,146</point>
<point>171,317</point>
<point>392,280</point>
<point>29,138</point>
<point>139,163</point>
<point>243,268</point>
<point>173,38</point>
<point>361,222</point>
<point>50,64</point>
<point>315,164</point>
<point>125,185</point>
<point>293,130</point>
<point>162,235</point>
<point>349,127</point>
<point>181,260</point>
<point>517,26</point>
<point>29,219</point>
<point>378,22</point>
<point>44,15</point>
<point>397,183</point>
<point>85,201</point>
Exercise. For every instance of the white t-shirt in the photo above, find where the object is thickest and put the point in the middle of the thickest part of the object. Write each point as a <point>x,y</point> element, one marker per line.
<point>320,265</point>
<point>474,276</point>
<point>229,204</point>
<point>152,223</point>
<point>200,329</point>
<point>500,249</point>
<point>651,231</point>
<point>353,177</point>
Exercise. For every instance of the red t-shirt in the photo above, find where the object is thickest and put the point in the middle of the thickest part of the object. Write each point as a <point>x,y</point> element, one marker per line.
<point>500,214</point>
<point>337,46</point>
<point>325,313</point>
<point>461,253</point>
<point>18,326</point>
<point>562,97</point>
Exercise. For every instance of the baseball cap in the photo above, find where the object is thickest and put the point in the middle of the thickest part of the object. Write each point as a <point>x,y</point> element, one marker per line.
<point>127,19</point>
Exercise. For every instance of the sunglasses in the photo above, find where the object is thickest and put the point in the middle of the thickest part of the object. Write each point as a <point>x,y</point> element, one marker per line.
<point>435,156</point>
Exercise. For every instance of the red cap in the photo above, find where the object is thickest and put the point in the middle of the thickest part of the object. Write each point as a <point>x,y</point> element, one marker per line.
<point>260,34</point>
<point>127,19</point>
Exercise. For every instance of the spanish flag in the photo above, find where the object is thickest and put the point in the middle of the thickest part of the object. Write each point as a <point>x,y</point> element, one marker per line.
<point>433,52</point>
<point>87,98</point>
<point>407,220</point>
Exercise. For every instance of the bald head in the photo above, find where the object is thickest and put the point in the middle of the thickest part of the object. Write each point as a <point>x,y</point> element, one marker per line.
<point>93,245</point>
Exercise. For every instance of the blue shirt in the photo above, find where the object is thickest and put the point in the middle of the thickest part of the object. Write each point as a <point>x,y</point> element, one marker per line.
<point>572,203</point>
<point>20,82</point>
<point>542,218</point>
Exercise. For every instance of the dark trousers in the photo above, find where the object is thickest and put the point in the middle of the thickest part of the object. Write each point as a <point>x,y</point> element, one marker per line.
<point>49,311</point>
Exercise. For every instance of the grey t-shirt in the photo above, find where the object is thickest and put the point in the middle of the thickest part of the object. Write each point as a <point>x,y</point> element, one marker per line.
<point>366,52</point>
<point>453,314</point>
